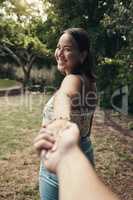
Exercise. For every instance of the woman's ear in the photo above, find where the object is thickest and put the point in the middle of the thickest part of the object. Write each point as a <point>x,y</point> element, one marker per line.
<point>83,56</point>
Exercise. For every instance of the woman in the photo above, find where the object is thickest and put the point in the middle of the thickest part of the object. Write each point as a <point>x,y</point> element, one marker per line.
<point>75,101</point>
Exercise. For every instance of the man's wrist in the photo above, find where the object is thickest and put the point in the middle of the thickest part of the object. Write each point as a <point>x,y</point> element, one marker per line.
<point>67,156</point>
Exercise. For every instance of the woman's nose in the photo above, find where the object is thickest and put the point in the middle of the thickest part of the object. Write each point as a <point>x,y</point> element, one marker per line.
<point>60,52</point>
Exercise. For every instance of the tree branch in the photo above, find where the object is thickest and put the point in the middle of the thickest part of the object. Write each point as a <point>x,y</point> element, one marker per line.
<point>29,64</point>
<point>12,54</point>
<point>32,61</point>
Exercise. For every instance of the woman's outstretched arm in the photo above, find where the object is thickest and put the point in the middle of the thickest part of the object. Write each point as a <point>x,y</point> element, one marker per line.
<point>64,100</point>
<point>70,88</point>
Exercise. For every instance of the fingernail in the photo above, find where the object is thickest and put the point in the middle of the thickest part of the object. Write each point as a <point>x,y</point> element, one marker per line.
<point>54,148</point>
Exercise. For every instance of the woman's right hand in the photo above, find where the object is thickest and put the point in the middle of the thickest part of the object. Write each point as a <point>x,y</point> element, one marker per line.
<point>44,141</point>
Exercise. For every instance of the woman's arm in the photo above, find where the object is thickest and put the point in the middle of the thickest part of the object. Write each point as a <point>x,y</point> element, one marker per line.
<point>69,89</point>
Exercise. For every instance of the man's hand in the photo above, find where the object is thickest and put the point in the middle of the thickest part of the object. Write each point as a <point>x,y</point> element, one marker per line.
<point>53,143</point>
<point>46,137</point>
<point>66,139</point>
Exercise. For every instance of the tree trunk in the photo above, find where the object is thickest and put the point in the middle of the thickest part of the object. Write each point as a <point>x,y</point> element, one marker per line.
<point>27,71</point>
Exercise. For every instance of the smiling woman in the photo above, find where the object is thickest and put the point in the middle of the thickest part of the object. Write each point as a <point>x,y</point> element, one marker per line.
<point>73,60</point>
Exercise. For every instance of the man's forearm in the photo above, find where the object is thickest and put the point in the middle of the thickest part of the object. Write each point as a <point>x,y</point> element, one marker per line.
<point>78,180</point>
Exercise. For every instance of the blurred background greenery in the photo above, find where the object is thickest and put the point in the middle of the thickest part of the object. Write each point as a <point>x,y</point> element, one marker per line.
<point>29,30</point>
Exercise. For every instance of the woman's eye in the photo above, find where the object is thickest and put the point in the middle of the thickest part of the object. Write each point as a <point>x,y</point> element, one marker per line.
<point>57,47</point>
<point>67,49</point>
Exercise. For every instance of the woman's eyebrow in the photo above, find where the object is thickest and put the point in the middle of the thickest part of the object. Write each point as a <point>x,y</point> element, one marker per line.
<point>67,45</point>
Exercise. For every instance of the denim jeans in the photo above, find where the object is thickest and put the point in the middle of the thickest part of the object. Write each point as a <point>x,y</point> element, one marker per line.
<point>48,182</point>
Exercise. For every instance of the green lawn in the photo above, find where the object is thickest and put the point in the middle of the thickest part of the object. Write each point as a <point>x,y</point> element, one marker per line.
<point>4,83</point>
<point>20,120</point>
<point>20,115</point>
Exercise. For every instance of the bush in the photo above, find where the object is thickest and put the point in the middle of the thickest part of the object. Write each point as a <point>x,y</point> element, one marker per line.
<point>50,89</point>
<point>111,76</point>
<point>36,85</point>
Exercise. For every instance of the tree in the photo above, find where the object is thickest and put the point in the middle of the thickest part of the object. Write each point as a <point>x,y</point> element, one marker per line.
<point>109,24</point>
<point>87,14</point>
<point>120,21</point>
<point>18,38</point>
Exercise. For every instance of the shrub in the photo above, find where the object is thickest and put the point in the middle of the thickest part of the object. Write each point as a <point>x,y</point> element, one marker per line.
<point>111,76</point>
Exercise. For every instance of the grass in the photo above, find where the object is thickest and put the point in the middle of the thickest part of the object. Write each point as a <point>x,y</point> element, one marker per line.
<point>4,83</point>
<point>20,115</point>
<point>20,121</point>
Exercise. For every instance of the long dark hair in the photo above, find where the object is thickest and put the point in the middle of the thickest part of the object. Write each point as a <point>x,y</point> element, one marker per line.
<point>82,39</point>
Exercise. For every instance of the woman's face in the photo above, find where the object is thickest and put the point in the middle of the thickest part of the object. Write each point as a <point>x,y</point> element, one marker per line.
<point>67,54</point>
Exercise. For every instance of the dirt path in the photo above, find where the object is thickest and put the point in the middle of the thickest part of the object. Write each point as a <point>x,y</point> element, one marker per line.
<point>113,144</point>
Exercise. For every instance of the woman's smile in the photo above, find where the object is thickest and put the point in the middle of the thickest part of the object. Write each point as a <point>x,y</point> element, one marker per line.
<point>61,61</point>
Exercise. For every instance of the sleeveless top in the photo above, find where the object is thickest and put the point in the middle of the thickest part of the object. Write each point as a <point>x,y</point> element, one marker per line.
<point>81,116</point>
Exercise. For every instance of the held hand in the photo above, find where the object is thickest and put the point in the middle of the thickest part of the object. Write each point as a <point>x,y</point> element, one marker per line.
<point>65,141</point>
<point>56,125</point>
<point>44,141</point>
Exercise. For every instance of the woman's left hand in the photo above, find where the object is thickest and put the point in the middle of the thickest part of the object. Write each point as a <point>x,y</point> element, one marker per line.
<point>44,141</point>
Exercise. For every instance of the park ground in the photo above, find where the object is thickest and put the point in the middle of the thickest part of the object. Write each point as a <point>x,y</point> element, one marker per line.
<point>20,120</point>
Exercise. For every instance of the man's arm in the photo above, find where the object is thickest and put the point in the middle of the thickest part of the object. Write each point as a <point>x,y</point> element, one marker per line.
<point>77,178</point>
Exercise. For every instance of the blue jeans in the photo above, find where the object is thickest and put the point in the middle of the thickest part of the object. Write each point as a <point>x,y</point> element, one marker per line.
<point>48,182</point>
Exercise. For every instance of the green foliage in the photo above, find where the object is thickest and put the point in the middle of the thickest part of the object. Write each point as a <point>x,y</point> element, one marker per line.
<point>119,20</point>
<point>9,34</point>
<point>18,37</point>
<point>111,73</point>
<point>111,76</point>
<point>109,24</point>
<point>1,2</point>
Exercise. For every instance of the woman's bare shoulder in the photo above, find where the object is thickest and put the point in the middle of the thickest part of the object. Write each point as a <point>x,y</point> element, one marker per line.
<point>71,84</point>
